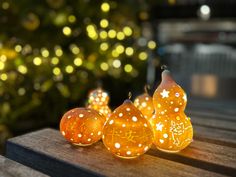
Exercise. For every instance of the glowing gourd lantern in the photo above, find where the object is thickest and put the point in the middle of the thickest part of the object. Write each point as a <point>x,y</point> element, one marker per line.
<point>127,134</point>
<point>144,103</point>
<point>172,128</point>
<point>98,100</point>
<point>82,126</point>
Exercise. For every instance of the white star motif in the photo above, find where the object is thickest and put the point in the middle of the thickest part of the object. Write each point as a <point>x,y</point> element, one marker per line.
<point>165,93</point>
<point>159,126</point>
<point>185,97</point>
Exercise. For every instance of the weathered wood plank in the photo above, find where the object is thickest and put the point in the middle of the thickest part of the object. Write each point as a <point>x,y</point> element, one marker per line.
<point>9,168</point>
<point>47,151</point>
<point>214,123</point>
<point>221,159</point>
<point>214,135</point>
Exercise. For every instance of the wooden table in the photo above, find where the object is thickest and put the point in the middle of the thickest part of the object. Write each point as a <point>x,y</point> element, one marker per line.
<point>212,153</point>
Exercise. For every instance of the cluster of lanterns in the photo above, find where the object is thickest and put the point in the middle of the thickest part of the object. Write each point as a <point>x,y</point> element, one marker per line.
<point>131,129</point>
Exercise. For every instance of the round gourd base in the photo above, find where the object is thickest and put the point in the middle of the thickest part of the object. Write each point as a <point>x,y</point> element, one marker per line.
<point>79,144</point>
<point>122,157</point>
<point>168,151</point>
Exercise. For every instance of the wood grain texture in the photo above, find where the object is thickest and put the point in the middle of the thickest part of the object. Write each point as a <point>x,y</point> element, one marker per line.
<point>47,151</point>
<point>9,168</point>
<point>217,158</point>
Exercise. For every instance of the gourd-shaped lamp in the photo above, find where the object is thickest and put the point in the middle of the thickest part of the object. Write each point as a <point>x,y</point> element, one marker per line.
<point>144,103</point>
<point>127,134</point>
<point>82,126</point>
<point>173,130</point>
<point>98,100</point>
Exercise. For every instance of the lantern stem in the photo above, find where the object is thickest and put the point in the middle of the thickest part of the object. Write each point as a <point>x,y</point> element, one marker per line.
<point>146,88</point>
<point>129,95</point>
<point>164,67</point>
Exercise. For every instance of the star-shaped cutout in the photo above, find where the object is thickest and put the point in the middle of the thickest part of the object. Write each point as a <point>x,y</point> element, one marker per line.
<point>165,93</point>
<point>159,126</point>
<point>185,97</point>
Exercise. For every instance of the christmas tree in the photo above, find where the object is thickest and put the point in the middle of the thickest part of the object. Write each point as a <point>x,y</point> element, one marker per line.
<point>52,52</point>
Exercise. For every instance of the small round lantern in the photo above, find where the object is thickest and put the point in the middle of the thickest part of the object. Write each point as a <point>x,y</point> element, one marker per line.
<point>172,128</point>
<point>127,134</point>
<point>144,103</point>
<point>98,100</point>
<point>82,126</point>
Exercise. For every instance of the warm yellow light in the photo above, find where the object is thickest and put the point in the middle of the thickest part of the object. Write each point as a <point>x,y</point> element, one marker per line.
<point>104,23</point>
<point>129,51</point>
<point>74,49</point>
<point>104,66</point>
<point>103,34</point>
<point>104,46</point>
<point>116,63</point>
<point>143,56</point>
<point>55,60</point>
<point>69,69</point>
<point>120,49</point>
<point>45,52</point>
<point>128,68</point>
<point>127,134</point>
<point>145,104</point>
<point>114,53</point>
<point>111,33</point>
<point>22,69</point>
<point>120,35</point>
<point>66,31</point>
<point>2,65</point>
<point>72,19</point>
<point>151,44</point>
<point>91,31</point>
<point>82,126</point>
<point>105,7</point>
<point>58,51</point>
<point>56,71</point>
<point>98,100</point>
<point>78,61</point>
<point>127,31</point>
<point>3,58</point>
<point>172,128</point>
<point>3,76</point>
<point>18,48</point>
<point>37,61</point>
<point>5,5</point>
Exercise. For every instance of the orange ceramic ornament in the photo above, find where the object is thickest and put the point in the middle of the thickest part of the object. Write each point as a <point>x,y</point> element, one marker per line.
<point>172,128</point>
<point>82,126</point>
<point>127,134</point>
<point>98,100</point>
<point>144,103</point>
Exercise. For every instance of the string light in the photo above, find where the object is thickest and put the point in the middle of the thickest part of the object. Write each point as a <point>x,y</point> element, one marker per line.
<point>128,68</point>
<point>3,76</point>
<point>55,60</point>
<point>129,51</point>
<point>82,126</point>
<point>104,23</point>
<point>22,69</point>
<point>172,128</point>
<point>69,69</point>
<point>151,44</point>
<point>127,31</point>
<point>143,56</point>
<point>58,51</point>
<point>105,7</point>
<point>37,61</point>
<point>127,134</point>
<point>120,49</point>
<point>116,63</point>
<point>111,33</point>
<point>104,66</point>
<point>18,48</point>
<point>44,52</point>
<point>74,49</point>
<point>72,19</point>
<point>56,71</point>
<point>120,35</point>
<point>114,53</point>
<point>78,61</point>
<point>2,65</point>
<point>104,46</point>
<point>66,31</point>
<point>103,34</point>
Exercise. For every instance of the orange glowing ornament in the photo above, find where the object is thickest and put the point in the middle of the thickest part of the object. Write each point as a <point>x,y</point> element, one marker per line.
<point>82,126</point>
<point>173,130</point>
<point>98,100</point>
<point>144,103</point>
<point>127,134</point>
